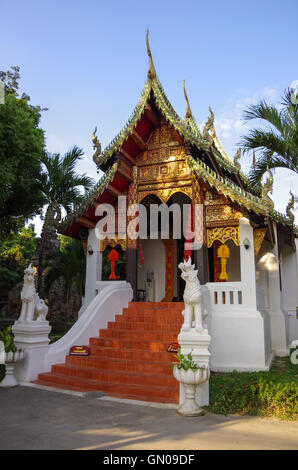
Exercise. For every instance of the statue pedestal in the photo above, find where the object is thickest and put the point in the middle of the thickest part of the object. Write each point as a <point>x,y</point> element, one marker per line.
<point>197,344</point>
<point>33,338</point>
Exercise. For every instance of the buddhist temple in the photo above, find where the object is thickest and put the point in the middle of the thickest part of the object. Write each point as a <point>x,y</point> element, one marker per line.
<point>246,260</point>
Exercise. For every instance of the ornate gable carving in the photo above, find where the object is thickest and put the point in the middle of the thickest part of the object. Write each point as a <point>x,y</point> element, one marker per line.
<point>162,168</point>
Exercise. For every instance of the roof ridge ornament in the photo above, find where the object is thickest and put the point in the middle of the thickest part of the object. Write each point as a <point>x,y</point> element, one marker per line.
<point>96,147</point>
<point>289,208</point>
<point>237,157</point>
<point>209,126</point>
<point>151,70</point>
<point>268,189</point>
<point>188,113</point>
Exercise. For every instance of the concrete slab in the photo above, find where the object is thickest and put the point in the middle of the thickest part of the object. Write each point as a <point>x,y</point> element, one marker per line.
<point>32,419</point>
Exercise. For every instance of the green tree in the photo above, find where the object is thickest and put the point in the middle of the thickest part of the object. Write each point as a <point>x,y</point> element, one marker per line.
<point>61,186</point>
<point>22,145</point>
<point>15,255</point>
<point>69,263</point>
<point>277,145</point>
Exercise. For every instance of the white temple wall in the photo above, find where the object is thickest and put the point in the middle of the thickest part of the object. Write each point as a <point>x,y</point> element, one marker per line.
<point>268,278</point>
<point>289,278</point>
<point>154,254</point>
<point>239,325</point>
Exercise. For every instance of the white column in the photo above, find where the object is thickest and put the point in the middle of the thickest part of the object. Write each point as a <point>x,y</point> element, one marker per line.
<point>247,265</point>
<point>93,266</point>
<point>289,279</point>
<point>278,318</point>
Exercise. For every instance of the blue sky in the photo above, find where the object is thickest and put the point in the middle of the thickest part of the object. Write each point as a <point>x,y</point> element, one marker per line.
<point>87,62</point>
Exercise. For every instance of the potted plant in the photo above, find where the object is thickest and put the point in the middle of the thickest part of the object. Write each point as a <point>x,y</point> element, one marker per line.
<point>190,374</point>
<point>12,356</point>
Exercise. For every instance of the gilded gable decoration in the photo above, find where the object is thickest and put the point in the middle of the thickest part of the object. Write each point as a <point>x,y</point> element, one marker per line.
<point>223,234</point>
<point>259,235</point>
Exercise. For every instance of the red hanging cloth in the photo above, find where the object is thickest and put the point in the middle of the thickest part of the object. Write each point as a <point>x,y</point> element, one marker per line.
<point>141,252</point>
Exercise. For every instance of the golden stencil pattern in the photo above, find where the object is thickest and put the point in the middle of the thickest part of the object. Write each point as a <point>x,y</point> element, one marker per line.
<point>112,242</point>
<point>170,261</point>
<point>198,213</point>
<point>222,212</point>
<point>223,234</point>
<point>132,198</point>
<point>259,235</point>
<point>165,194</point>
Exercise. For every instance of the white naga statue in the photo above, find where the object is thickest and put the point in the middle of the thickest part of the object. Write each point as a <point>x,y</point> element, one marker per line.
<point>33,308</point>
<point>192,297</point>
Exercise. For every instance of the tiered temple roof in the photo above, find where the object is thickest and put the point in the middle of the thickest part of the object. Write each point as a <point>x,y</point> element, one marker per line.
<point>207,158</point>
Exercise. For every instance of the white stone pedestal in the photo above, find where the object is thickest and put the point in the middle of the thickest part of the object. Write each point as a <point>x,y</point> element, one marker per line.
<point>197,344</point>
<point>33,337</point>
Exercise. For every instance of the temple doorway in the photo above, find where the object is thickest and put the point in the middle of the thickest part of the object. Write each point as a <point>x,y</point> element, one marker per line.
<point>158,275</point>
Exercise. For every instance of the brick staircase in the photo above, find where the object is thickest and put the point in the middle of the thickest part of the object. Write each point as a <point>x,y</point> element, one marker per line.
<point>129,359</point>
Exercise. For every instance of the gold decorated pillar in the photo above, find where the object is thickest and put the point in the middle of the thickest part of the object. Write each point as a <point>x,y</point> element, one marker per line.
<point>131,244</point>
<point>200,255</point>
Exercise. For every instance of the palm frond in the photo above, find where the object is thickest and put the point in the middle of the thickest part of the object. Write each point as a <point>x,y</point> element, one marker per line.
<point>276,146</point>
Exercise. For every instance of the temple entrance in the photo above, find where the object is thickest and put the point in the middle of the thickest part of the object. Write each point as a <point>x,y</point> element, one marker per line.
<point>158,275</point>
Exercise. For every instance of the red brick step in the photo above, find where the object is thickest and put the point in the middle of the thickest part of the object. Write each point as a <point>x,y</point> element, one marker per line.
<point>129,358</point>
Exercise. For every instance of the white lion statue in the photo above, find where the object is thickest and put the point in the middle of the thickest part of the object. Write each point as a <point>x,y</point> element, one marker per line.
<point>192,297</point>
<point>33,308</point>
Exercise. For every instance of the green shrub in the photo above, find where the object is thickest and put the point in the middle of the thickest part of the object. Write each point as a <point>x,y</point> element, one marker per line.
<point>273,393</point>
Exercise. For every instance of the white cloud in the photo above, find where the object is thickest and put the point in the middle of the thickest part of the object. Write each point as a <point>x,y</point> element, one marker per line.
<point>229,123</point>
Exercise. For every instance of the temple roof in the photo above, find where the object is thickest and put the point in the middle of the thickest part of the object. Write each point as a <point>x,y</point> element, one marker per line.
<point>226,175</point>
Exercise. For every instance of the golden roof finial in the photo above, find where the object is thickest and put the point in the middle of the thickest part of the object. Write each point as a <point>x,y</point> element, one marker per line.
<point>188,113</point>
<point>96,147</point>
<point>289,208</point>
<point>237,158</point>
<point>268,189</point>
<point>151,71</point>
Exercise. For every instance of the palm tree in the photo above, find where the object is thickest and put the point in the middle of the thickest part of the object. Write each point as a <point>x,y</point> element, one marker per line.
<point>277,145</point>
<point>61,187</point>
<point>68,263</point>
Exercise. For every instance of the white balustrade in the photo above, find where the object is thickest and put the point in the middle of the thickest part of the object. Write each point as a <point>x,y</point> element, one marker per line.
<point>225,295</point>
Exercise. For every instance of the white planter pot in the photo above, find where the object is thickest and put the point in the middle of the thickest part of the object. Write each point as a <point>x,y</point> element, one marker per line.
<point>191,379</point>
<point>11,359</point>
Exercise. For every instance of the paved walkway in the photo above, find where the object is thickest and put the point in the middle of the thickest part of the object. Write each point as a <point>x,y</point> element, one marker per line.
<point>32,418</point>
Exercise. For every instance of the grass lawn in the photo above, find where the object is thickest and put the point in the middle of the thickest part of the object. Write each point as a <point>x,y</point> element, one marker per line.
<point>272,393</point>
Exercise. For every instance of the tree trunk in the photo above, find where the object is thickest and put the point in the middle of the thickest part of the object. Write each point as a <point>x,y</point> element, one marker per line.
<point>48,242</point>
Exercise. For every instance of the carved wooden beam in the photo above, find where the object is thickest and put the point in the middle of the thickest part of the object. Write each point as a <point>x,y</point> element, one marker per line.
<point>126,155</point>
<point>138,140</point>
<point>125,174</point>
<point>152,115</point>
<point>86,222</point>
<point>114,191</point>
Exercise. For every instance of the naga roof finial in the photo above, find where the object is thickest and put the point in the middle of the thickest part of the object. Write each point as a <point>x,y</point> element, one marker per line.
<point>96,147</point>
<point>289,208</point>
<point>209,126</point>
<point>237,157</point>
<point>151,70</point>
<point>188,113</point>
<point>268,188</point>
